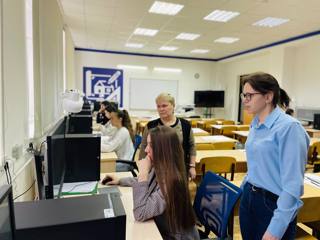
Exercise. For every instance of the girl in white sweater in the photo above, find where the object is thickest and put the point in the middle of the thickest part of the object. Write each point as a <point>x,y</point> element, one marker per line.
<point>122,141</point>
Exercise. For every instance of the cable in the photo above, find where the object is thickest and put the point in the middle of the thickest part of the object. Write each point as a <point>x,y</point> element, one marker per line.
<point>80,184</point>
<point>7,170</point>
<point>34,181</point>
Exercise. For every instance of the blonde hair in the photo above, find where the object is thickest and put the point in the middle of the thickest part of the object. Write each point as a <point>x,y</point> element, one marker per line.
<point>166,97</point>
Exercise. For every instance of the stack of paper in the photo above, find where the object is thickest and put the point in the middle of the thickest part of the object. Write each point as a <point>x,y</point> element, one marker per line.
<point>77,188</point>
<point>312,179</point>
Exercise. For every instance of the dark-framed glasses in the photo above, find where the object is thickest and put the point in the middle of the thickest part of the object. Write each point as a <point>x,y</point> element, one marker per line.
<point>248,96</point>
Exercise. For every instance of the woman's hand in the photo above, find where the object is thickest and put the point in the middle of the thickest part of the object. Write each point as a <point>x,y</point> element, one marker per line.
<point>192,173</point>
<point>268,236</point>
<point>110,180</point>
<point>144,166</point>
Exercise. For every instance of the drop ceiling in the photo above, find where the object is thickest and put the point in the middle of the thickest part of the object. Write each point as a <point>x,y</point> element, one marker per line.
<point>109,25</point>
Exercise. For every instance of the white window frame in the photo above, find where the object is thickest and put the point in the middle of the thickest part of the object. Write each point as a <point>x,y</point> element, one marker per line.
<point>30,68</point>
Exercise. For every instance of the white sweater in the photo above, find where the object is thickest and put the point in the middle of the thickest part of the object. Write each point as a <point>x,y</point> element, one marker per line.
<point>108,129</point>
<point>121,143</point>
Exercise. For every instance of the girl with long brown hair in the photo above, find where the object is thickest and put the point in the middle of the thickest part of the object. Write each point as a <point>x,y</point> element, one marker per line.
<point>161,190</point>
<point>122,141</point>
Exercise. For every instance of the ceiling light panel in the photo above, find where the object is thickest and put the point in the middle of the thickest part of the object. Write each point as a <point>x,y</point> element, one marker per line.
<point>200,51</point>
<point>134,45</point>
<point>168,48</point>
<point>145,32</point>
<point>161,69</point>
<point>226,40</point>
<point>135,67</point>
<point>187,36</point>
<point>270,22</point>
<point>165,8</point>
<point>221,16</point>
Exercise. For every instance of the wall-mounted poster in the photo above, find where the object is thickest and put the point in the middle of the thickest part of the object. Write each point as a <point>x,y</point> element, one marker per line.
<point>103,84</point>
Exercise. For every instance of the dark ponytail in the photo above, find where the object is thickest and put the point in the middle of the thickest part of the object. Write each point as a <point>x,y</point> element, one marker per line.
<point>126,121</point>
<point>284,99</point>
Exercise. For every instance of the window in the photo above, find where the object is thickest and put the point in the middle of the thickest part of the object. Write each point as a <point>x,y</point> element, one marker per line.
<point>64,54</point>
<point>30,77</point>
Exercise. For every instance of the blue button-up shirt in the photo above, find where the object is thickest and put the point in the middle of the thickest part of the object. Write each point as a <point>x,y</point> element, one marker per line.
<point>276,155</point>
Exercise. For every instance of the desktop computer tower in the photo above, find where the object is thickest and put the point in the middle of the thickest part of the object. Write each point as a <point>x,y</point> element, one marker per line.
<point>316,121</point>
<point>92,217</point>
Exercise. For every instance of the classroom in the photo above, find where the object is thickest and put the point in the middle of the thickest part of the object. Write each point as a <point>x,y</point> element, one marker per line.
<point>128,52</point>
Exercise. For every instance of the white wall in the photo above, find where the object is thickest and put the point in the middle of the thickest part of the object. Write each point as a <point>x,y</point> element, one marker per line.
<point>295,66</point>
<point>187,82</point>
<point>48,82</point>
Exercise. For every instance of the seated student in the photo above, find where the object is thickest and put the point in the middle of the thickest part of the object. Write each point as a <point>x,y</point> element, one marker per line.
<point>122,141</point>
<point>101,118</point>
<point>161,190</point>
<point>108,130</point>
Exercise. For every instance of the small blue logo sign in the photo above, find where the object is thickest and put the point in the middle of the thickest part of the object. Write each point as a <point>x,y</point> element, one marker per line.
<point>103,84</point>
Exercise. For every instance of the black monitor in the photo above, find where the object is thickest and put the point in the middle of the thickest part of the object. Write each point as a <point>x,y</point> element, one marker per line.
<point>209,98</point>
<point>79,123</point>
<point>56,157</point>
<point>71,158</point>
<point>83,157</point>
<point>7,222</point>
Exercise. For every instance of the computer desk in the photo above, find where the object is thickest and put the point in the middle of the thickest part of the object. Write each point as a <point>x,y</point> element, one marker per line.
<point>134,230</point>
<point>108,161</point>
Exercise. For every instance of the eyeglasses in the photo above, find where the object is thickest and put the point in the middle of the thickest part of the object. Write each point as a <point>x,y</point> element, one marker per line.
<point>248,96</point>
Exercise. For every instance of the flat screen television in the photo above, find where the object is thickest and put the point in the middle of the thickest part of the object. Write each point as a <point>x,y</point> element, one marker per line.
<point>209,98</point>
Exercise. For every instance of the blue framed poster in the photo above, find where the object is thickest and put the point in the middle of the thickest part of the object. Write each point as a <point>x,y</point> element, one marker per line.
<point>103,84</point>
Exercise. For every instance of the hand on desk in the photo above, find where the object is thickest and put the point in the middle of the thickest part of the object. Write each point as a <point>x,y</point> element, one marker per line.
<point>110,180</point>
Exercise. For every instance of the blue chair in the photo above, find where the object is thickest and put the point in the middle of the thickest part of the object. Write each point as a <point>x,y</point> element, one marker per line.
<point>214,203</point>
<point>132,166</point>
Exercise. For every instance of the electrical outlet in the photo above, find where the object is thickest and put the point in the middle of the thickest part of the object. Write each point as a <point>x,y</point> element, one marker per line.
<point>16,151</point>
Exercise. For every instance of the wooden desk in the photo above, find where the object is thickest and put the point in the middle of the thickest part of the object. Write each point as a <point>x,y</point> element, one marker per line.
<point>213,139</point>
<point>313,133</point>
<point>313,140</point>
<point>241,136</point>
<point>310,210</point>
<point>239,155</point>
<point>199,132</point>
<point>135,230</point>
<point>216,129</point>
<point>108,162</point>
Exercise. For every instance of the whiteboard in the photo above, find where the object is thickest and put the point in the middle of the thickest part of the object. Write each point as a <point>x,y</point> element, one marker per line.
<point>143,92</point>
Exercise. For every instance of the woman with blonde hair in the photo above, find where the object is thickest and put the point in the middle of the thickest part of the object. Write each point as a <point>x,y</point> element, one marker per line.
<point>161,189</point>
<point>165,107</point>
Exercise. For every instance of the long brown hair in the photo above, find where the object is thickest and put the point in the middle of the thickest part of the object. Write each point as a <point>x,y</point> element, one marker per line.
<point>170,173</point>
<point>126,121</point>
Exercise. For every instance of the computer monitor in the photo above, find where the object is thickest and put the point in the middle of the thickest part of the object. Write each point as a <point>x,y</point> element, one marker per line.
<point>55,157</point>
<point>71,158</point>
<point>7,223</point>
<point>77,123</point>
<point>82,157</point>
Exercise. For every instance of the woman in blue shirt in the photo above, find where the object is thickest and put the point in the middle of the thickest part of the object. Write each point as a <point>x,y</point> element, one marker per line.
<point>276,151</point>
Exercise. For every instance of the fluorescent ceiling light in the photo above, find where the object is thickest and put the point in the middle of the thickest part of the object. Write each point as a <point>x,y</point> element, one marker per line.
<point>161,69</point>
<point>165,8</point>
<point>134,45</point>
<point>270,22</point>
<point>145,31</point>
<point>201,51</point>
<point>226,40</point>
<point>187,36</point>
<point>221,16</point>
<point>168,48</point>
<point>136,67</point>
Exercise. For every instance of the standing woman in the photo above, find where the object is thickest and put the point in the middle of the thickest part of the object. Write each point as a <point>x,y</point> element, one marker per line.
<point>161,189</point>
<point>276,151</point>
<point>165,107</point>
<point>122,141</point>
